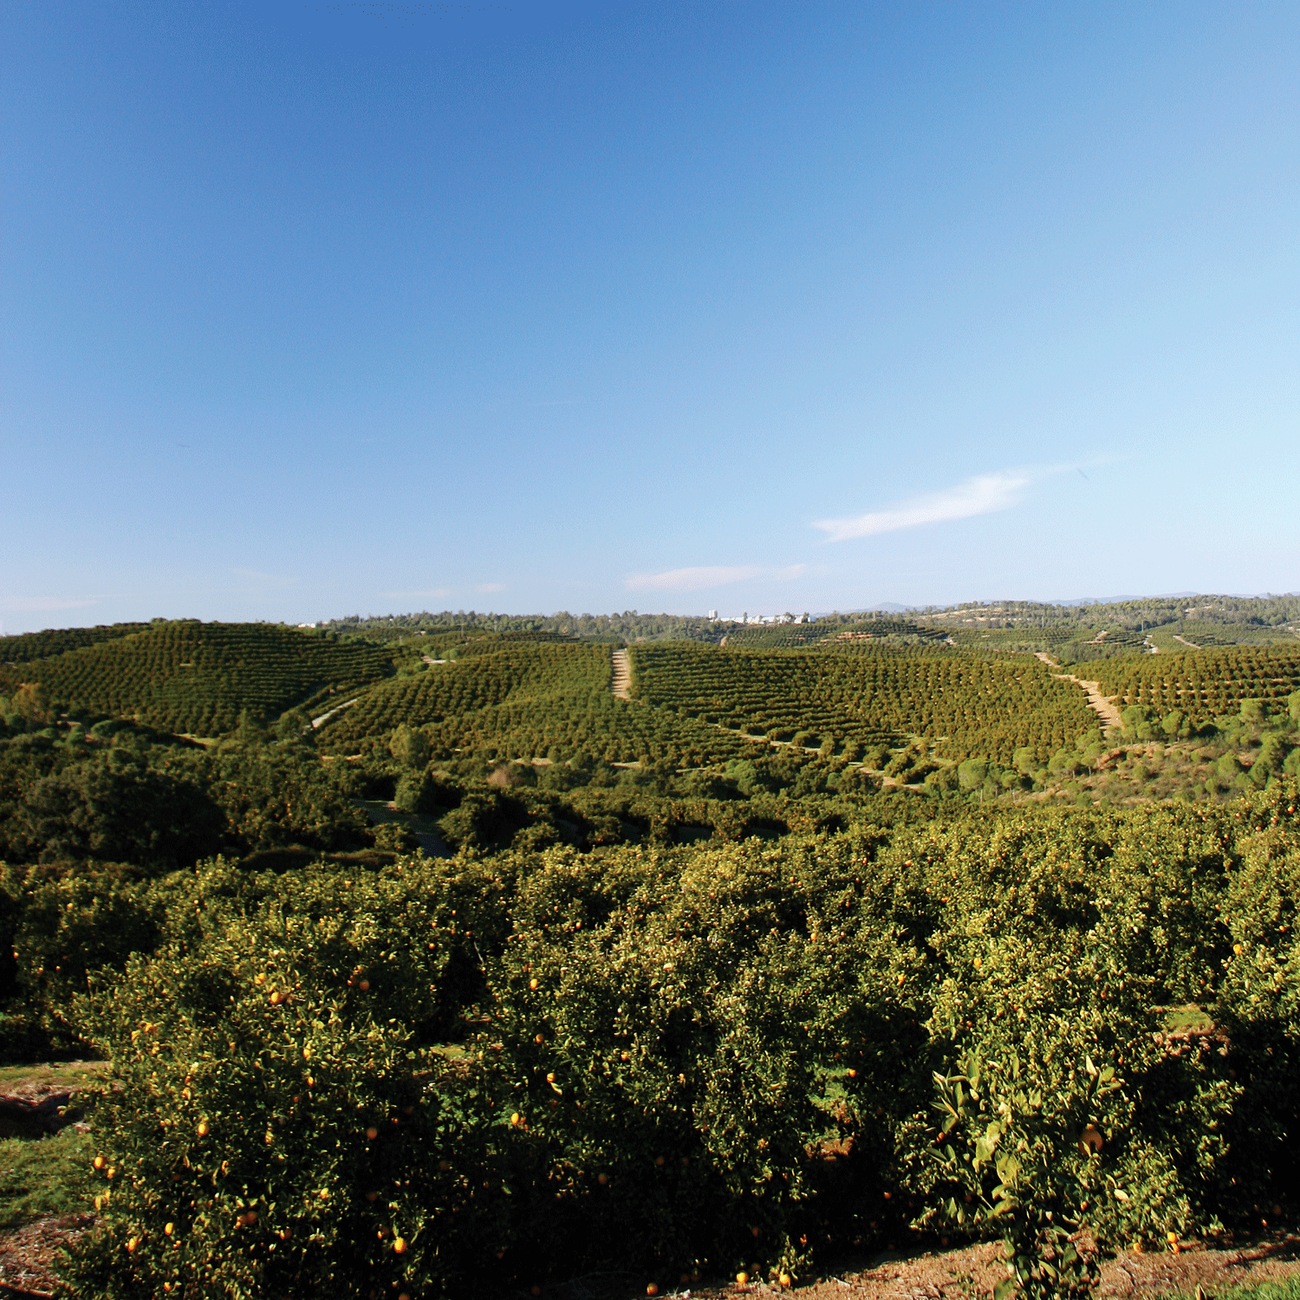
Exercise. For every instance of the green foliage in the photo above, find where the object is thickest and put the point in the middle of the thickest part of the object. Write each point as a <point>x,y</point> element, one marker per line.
<point>982,704</point>
<point>1199,687</point>
<point>31,646</point>
<point>195,677</point>
<point>269,1093</point>
<point>44,1177</point>
<point>736,1052</point>
<point>120,798</point>
<point>524,699</point>
<point>109,812</point>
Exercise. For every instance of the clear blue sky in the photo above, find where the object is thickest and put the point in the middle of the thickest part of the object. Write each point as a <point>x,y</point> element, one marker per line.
<point>314,309</point>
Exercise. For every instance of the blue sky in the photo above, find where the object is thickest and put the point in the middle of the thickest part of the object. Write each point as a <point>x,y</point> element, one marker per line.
<point>314,309</point>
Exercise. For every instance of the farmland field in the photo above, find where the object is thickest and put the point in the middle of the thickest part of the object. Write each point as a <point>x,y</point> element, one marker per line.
<point>964,703</point>
<point>871,939</point>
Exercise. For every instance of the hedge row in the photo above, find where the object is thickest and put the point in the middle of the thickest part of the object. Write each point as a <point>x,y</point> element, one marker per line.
<point>484,1072</point>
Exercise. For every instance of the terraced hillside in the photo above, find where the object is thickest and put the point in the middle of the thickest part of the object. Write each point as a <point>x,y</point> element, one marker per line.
<point>966,703</point>
<point>197,678</point>
<point>525,699</point>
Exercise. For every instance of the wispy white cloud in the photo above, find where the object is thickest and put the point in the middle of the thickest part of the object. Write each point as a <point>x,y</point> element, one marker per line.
<point>696,579</point>
<point>490,586</point>
<point>982,495</point>
<point>706,576</point>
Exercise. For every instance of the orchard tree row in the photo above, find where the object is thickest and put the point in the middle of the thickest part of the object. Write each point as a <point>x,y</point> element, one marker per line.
<point>964,703</point>
<point>1203,685</point>
<point>197,678</point>
<point>516,1067</point>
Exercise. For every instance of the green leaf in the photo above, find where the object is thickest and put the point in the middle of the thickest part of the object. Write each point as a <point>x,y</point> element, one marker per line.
<point>1004,1288</point>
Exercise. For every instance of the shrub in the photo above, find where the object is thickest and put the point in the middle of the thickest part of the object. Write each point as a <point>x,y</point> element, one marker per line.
<point>737,1053</point>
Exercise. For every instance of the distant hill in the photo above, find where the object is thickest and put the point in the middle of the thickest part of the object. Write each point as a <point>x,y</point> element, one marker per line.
<point>190,677</point>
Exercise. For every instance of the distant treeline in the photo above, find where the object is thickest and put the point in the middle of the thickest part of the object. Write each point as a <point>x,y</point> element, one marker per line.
<point>629,625</point>
<point>1072,633</point>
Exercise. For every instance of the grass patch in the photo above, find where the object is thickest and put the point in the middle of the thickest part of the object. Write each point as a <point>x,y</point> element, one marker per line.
<point>1188,1019</point>
<point>49,1176</point>
<point>72,1076</point>
<point>1287,1289</point>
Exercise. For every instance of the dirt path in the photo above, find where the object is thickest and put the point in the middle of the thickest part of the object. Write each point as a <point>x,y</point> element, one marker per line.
<point>971,1273</point>
<point>338,708</point>
<point>1182,640</point>
<point>622,675</point>
<point>1101,705</point>
<point>978,1269</point>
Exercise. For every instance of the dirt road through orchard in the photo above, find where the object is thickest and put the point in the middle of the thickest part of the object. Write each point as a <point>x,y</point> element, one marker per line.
<point>622,675</point>
<point>1100,704</point>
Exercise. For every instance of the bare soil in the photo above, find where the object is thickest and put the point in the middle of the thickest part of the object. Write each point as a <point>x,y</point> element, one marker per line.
<point>28,1254</point>
<point>28,1257</point>
<point>622,675</point>
<point>1101,705</point>
<point>972,1272</point>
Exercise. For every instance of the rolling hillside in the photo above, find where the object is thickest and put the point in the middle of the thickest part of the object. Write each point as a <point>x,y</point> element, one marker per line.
<point>196,678</point>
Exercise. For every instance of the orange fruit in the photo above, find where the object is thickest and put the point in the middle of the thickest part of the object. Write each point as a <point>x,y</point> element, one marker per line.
<point>202,1129</point>
<point>132,1245</point>
<point>785,1281</point>
<point>742,1279</point>
<point>372,1133</point>
<point>364,986</point>
<point>399,1245</point>
<point>602,1179</point>
<point>98,1162</point>
<point>532,984</point>
<point>652,1289</point>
